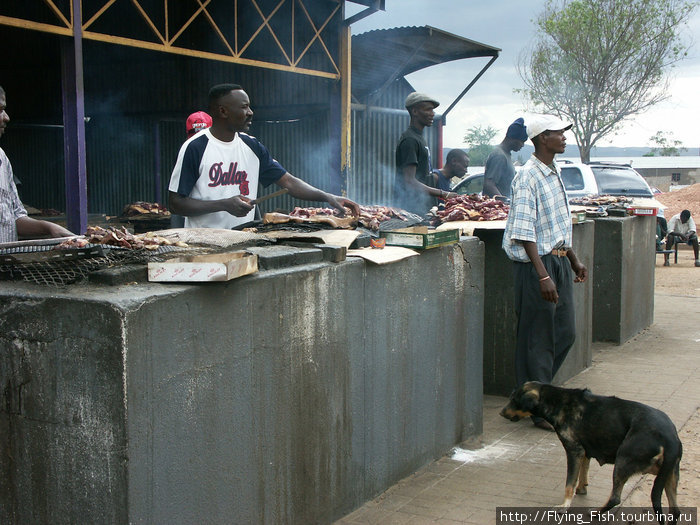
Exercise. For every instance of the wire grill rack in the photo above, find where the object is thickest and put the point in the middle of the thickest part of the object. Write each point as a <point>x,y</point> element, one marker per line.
<point>63,271</point>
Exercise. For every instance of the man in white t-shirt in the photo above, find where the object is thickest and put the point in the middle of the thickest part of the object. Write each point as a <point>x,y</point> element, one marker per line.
<point>218,170</point>
<point>681,228</point>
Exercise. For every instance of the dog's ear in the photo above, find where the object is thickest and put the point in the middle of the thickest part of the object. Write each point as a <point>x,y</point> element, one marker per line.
<point>529,396</point>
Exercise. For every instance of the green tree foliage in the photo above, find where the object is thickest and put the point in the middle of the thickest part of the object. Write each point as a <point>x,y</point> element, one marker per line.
<point>665,145</point>
<point>598,62</point>
<point>478,139</point>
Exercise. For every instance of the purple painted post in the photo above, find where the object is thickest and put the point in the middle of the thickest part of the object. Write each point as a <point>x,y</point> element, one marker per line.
<point>74,125</point>
<point>156,166</point>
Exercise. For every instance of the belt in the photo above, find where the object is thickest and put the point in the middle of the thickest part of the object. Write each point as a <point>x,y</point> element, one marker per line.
<point>559,252</point>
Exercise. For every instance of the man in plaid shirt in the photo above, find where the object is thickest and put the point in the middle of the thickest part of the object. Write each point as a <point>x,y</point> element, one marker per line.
<point>537,238</point>
<point>13,216</point>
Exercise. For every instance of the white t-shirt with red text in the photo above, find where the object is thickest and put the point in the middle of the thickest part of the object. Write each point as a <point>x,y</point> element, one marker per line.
<point>209,169</point>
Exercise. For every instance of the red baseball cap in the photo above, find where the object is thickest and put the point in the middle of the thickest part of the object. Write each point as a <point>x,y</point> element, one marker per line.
<point>197,122</point>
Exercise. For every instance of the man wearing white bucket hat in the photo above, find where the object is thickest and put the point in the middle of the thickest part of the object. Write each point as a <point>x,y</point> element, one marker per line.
<point>537,239</point>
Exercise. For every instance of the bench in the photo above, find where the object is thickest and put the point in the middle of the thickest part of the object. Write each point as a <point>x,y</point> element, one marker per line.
<point>668,252</point>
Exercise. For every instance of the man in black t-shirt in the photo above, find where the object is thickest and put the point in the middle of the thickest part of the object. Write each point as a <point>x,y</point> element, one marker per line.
<point>413,190</point>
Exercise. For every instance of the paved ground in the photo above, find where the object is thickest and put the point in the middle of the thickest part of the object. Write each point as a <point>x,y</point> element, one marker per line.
<point>515,464</point>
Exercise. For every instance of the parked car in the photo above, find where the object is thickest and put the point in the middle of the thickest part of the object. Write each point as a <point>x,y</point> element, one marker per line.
<point>603,178</point>
<point>470,184</point>
<point>580,180</point>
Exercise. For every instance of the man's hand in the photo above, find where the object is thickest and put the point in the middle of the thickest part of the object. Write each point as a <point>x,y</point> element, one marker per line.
<point>549,290</point>
<point>581,272</point>
<point>340,203</point>
<point>239,205</point>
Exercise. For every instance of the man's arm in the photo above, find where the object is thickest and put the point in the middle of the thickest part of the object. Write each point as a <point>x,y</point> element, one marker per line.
<point>577,266</point>
<point>409,177</point>
<point>36,229</point>
<point>302,190</point>
<point>493,169</point>
<point>490,188</point>
<point>189,207</point>
<point>547,287</point>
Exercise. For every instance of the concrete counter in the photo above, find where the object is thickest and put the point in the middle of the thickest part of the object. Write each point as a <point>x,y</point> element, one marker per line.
<point>500,322</point>
<point>623,291</point>
<point>288,396</point>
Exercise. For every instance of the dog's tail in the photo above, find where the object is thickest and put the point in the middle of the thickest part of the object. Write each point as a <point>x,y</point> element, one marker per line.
<point>667,479</point>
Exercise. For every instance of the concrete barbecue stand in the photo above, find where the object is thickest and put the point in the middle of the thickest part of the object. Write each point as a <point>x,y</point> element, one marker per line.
<point>289,396</point>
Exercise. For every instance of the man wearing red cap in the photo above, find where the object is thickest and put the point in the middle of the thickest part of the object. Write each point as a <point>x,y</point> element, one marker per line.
<point>197,122</point>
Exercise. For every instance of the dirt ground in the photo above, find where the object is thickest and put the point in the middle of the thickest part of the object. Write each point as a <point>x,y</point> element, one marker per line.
<point>678,279</point>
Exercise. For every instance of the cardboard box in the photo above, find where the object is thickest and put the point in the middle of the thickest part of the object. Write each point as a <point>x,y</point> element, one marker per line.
<point>201,268</point>
<point>420,237</point>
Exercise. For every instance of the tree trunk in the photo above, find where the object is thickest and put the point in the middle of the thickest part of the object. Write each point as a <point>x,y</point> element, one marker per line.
<point>585,152</point>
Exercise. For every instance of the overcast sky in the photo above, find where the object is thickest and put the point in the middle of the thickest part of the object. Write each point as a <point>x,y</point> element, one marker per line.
<point>491,102</point>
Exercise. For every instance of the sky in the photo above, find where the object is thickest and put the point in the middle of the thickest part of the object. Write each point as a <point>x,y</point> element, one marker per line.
<point>491,102</point>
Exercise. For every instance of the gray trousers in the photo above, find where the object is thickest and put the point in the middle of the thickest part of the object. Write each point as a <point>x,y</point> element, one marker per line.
<point>546,331</point>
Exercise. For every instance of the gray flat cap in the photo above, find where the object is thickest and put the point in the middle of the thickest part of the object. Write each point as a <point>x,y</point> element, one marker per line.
<point>415,97</point>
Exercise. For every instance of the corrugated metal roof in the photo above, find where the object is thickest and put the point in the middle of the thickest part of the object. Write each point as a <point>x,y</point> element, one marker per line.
<point>383,55</point>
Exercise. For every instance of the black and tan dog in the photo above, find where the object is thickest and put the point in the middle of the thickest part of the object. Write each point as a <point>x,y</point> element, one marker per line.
<point>635,437</point>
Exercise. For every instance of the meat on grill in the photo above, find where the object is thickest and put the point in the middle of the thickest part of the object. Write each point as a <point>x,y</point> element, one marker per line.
<point>370,216</point>
<point>473,208</point>
<point>145,208</point>
<point>117,237</point>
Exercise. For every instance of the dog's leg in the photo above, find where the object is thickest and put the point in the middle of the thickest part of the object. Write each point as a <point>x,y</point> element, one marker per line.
<point>573,467</point>
<point>671,487</point>
<point>583,476</point>
<point>621,473</point>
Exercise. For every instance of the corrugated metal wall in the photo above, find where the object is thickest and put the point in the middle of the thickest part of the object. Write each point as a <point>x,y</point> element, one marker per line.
<point>137,99</point>
<point>36,155</point>
<point>375,135</point>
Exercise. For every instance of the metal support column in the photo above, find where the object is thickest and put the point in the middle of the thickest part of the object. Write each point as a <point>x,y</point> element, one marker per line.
<point>345,106</point>
<point>74,125</point>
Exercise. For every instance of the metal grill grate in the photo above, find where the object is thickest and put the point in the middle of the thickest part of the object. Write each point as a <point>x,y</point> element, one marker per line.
<point>62,272</point>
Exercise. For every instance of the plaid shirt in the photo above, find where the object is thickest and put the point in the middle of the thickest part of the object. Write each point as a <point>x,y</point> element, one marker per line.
<point>11,207</point>
<point>539,211</point>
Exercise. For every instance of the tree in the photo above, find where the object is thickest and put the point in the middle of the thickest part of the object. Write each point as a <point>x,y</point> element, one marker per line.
<point>666,145</point>
<point>478,140</point>
<point>601,61</point>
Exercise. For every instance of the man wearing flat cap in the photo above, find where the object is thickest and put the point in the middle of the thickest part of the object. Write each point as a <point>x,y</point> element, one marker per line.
<point>499,170</point>
<point>537,238</point>
<point>413,189</point>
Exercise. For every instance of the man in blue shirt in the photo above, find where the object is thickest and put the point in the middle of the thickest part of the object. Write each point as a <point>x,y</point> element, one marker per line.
<point>499,170</point>
<point>456,164</point>
<point>537,238</point>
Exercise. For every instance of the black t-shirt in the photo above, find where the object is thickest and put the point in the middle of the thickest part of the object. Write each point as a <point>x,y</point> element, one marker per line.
<point>413,150</point>
<point>499,169</point>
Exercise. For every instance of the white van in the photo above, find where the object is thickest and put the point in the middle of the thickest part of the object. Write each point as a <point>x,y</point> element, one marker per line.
<point>581,180</point>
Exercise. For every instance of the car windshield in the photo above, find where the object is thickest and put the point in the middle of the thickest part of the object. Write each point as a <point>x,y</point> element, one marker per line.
<point>614,180</point>
<point>470,184</point>
<point>572,179</point>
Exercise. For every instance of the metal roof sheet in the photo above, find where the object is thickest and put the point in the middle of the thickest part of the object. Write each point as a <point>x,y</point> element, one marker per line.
<point>383,55</point>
